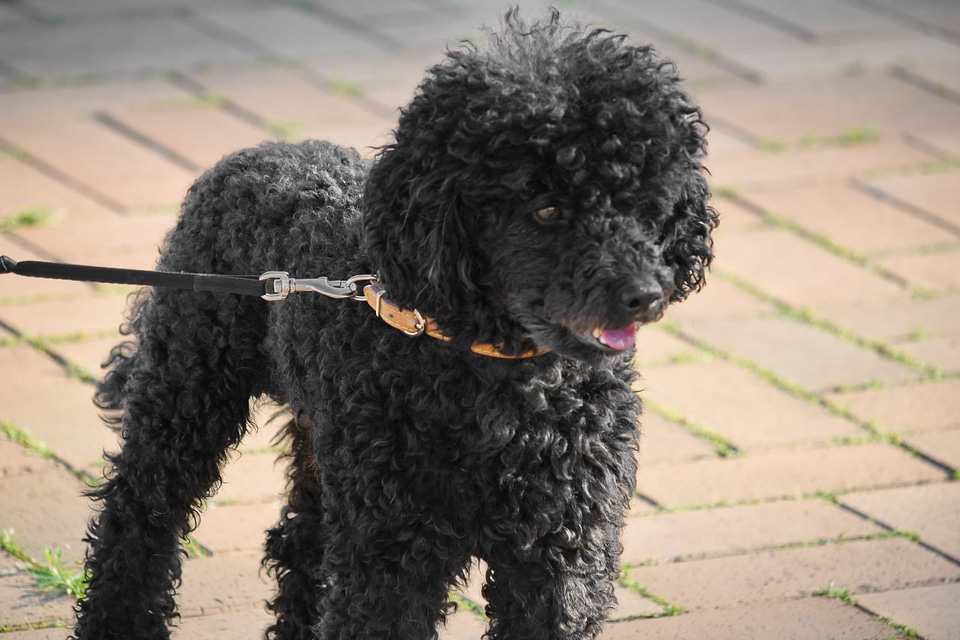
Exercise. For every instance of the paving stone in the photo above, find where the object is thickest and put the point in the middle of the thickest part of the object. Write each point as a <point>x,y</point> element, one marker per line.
<point>799,352</point>
<point>934,193</point>
<point>937,271</point>
<point>765,169</point>
<point>801,273</point>
<point>22,604</point>
<point>733,530</point>
<point>735,218</point>
<point>862,567</point>
<point>221,584</point>
<point>943,353</point>
<point>656,348</point>
<point>943,15</point>
<point>717,300</point>
<point>926,407</point>
<point>842,105</point>
<point>89,355</point>
<point>236,528</point>
<point>664,442</point>
<point>236,625</point>
<point>801,619</point>
<point>843,58</point>
<point>82,98</point>
<point>932,510</point>
<point>879,320</point>
<point>25,186</point>
<point>70,426</point>
<point>706,24</point>
<point>462,625</point>
<point>16,460</point>
<point>85,314</point>
<point>931,611</point>
<point>39,634</point>
<point>47,510</point>
<point>850,217</point>
<point>103,47</point>
<point>102,159</point>
<point>780,474</point>
<point>751,413</point>
<point>83,241</point>
<point>826,20</point>
<point>199,135</point>
<point>252,478</point>
<point>942,446</point>
<point>280,97</point>
<point>290,31</point>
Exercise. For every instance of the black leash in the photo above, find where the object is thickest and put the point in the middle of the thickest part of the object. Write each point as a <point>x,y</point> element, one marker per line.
<point>272,285</point>
<point>243,285</point>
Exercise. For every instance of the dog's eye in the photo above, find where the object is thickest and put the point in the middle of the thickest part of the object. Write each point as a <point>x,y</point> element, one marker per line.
<point>547,214</point>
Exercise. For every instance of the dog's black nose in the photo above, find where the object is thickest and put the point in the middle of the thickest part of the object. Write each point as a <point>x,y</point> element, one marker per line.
<point>642,300</point>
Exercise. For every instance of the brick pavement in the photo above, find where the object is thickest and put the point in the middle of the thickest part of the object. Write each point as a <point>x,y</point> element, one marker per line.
<point>799,461</point>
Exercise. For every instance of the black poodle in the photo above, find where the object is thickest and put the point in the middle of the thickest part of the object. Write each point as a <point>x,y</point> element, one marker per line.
<point>543,197</point>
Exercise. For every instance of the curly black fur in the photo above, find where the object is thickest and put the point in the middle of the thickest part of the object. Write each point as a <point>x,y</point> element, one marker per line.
<point>410,456</point>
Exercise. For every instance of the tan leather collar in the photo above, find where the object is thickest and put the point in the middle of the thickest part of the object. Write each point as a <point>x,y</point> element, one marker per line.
<point>413,323</point>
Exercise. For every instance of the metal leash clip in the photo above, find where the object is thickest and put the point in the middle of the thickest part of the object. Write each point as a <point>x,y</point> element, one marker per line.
<point>283,285</point>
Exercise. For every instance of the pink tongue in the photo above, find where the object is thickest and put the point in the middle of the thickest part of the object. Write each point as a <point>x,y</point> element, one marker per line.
<point>620,339</point>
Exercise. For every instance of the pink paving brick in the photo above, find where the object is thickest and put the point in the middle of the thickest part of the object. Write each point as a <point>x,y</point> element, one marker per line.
<point>798,352</point>
<point>778,474</point>
<point>252,478</point>
<point>236,528</point>
<point>21,604</point>
<point>84,314</point>
<point>802,619</point>
<point>934,193</point>
<point>932,510</point>
<point>910,408</point>
<point>862,567</point>
<point>199,134</point>
<point>800,273</point>
<point>942,446</point>
<point>936,271</point>
<point>25,186</point>
<point>760,169</point>
<point>943,353</point>
<point>931,611</point>
<point>249,624</point>
<point>656,348</point>
<point>734,530</point>
<point>101,159</point>
<point>280,97</point>
<point>842,104</point>
<point>69,426</point>
<point>850,217</point>
<point>47,510</point>
<point>742,407</point>
<point>17,289</point>
<point>83,241</point>
<point>876,320</point>
<point>719,299</point>
<point>664,442</point>
<point>222,584</point>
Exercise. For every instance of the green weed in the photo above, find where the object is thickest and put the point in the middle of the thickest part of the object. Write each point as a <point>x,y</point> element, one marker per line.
<point>54,577</point>
<point>27,218</point>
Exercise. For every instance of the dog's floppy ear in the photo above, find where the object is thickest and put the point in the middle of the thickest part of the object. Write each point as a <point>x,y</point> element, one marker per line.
<point>688,245</point>
<point>416,232</point>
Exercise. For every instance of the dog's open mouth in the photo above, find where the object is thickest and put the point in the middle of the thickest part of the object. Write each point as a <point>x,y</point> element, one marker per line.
<point>616,339</point>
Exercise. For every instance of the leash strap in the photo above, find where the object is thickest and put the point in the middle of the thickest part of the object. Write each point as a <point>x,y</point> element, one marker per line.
<point>272,285</point>
<point>243,285</point>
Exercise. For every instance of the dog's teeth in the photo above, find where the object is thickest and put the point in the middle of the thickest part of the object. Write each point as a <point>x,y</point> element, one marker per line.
<point>598,334</point>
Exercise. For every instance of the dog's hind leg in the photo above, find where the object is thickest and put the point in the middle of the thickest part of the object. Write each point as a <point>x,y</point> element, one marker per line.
<point>184,396</point>
<point>294,546</point>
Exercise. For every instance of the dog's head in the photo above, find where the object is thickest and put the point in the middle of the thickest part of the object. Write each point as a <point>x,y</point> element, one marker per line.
<point>545,190</point>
